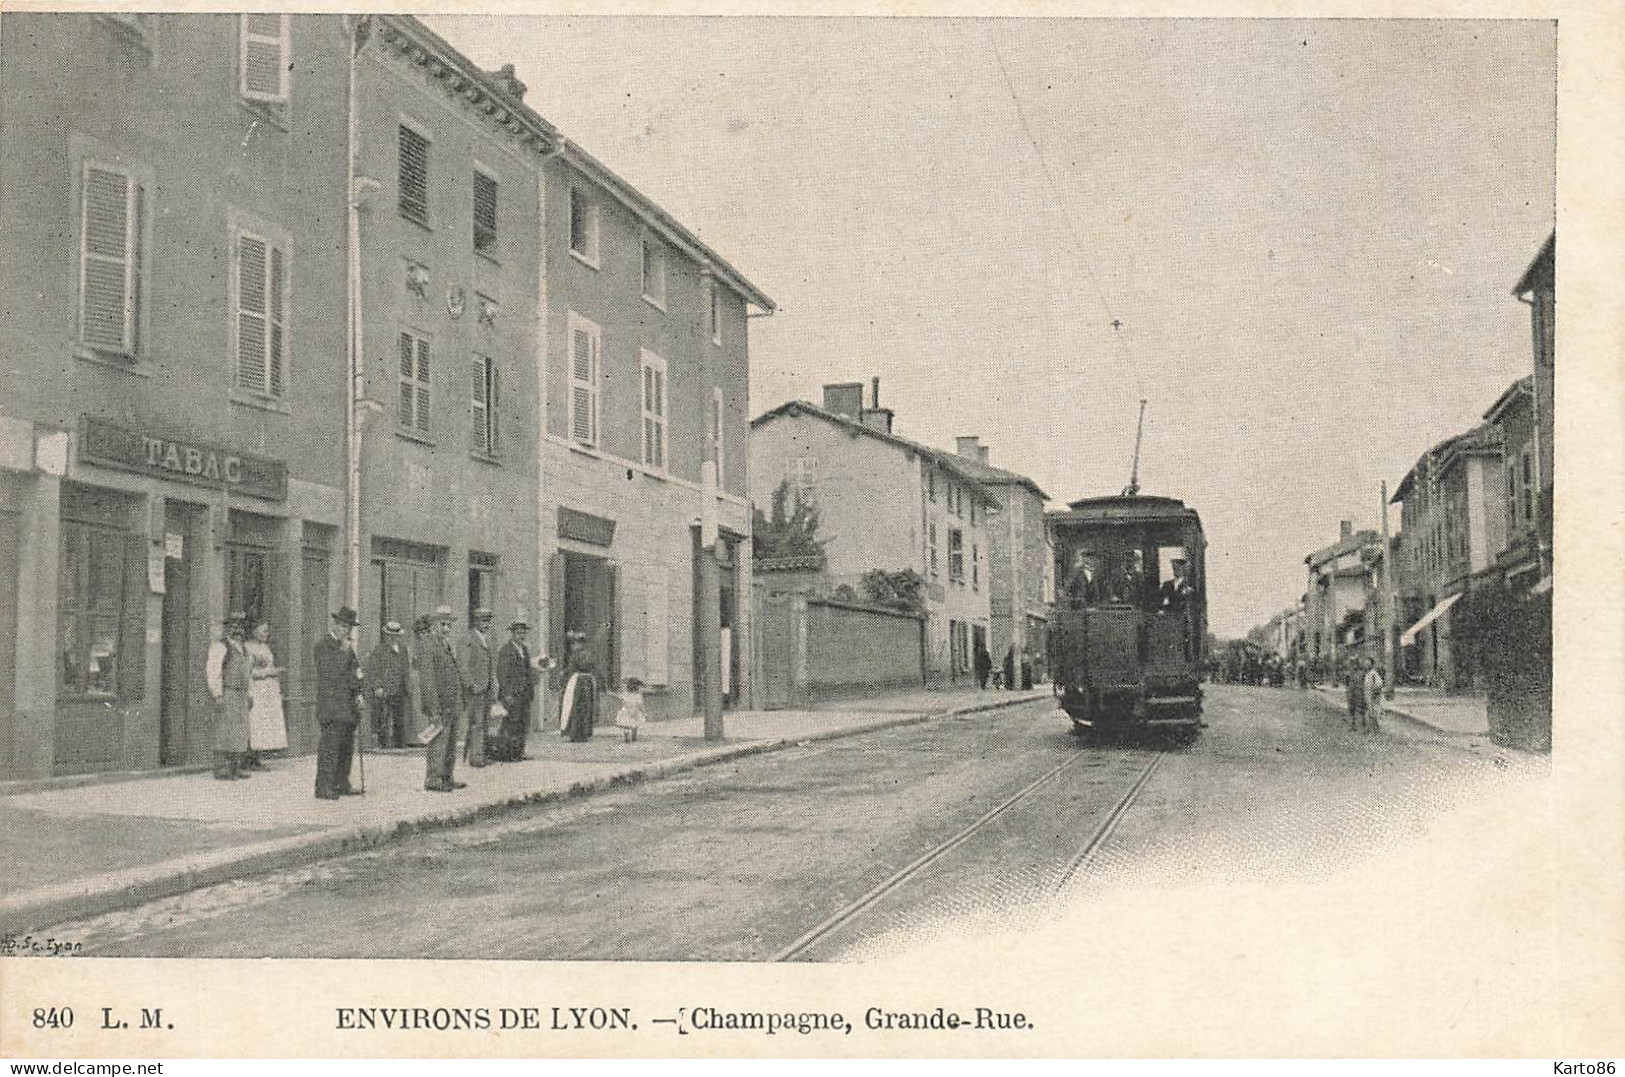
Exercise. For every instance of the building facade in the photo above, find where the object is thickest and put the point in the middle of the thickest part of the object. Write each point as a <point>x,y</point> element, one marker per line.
<point>1334,603</point>
<point>888,503</point>
<point>1538,288</point>
<point>1020,559</point>
<point>172,405</point>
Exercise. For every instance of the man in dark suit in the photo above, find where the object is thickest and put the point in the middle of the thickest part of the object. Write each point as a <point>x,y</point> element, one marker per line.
<point>478,664</point>
<point>516,687</point>
<point>440,688</point>
<point>338,691</point>
<point>387,676</point>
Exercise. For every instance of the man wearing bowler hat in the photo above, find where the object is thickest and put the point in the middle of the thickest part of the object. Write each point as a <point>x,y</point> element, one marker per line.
<point>478,664</point>
<point>338,692</point>
<point>516,687</point>
<point>441,693</point>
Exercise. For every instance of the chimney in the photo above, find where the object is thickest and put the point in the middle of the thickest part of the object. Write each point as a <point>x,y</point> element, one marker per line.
<point>845,398</point>
<point>1345,528</point>
<point>968,446</point>
<point>878,419</point>
<point>509,82</point>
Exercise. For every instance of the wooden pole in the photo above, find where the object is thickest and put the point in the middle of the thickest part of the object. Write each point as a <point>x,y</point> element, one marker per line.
<point>1390,661</point>
<point>709,604</point>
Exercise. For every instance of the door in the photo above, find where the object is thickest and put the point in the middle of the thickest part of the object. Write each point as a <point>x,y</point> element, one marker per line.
<point>315,612</point>
<point>777,658</point>
<point>177,667</point>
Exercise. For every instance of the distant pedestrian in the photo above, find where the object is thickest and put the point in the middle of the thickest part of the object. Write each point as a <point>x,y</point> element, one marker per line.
<point>1374,688</point>
<point>231,685</point>
<point>267,728</point>
<point>1356,696</point>
<point>1010,668</point>
<point>338,706</point>
<point>516,688</point>
<point>440,690</point>
<point>478,664</point>
<point>984,665</point>
<point>388,679</point>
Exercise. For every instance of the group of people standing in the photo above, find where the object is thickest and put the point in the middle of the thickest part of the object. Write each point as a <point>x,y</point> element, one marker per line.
<point>470,697</point>
<point>246,684</point>
<point>1365,693</point>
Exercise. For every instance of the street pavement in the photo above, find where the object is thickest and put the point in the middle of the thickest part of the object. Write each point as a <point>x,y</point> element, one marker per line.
<point>78,848</point>
<point>890,836</point>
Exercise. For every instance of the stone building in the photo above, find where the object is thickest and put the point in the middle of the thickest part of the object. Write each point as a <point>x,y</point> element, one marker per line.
<point>888,503</point>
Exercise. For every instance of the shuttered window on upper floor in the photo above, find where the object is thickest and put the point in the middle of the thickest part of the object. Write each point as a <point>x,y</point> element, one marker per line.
<point>586,344</point>
<point>263,63</point>
<point>261,277</point>
<point>414,177</point>
<point>485,213</point>
<point>112,216</point>
<point>487,390</point>
<point>413,411</point>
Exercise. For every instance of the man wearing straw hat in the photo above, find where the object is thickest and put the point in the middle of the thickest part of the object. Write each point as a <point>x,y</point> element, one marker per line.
<point>338,691</point>
<point>478,664</point>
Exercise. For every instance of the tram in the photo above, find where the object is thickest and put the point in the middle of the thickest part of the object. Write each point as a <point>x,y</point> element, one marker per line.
<point>1127,638</point>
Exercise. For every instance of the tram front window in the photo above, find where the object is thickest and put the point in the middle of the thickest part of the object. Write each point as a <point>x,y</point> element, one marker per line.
<point>1102,575</point>
<point>1176,575</point>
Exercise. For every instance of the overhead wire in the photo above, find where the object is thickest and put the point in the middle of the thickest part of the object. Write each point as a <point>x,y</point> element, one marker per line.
<point>1066,215</point>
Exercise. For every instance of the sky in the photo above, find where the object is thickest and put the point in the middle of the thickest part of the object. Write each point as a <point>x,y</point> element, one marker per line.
<point>1307,233</point>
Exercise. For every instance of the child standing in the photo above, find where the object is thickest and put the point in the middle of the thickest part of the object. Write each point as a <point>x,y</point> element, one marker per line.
<point>630,718</point>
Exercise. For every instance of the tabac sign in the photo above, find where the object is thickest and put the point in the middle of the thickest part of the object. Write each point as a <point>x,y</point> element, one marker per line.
<point>101,442</point>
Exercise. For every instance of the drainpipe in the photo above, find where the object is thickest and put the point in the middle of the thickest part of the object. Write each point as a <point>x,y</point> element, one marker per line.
<point>354,350</point>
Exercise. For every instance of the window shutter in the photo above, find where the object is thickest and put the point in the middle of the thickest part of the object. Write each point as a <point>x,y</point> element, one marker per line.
<point>132,647</point>
<point>581,403</point>
<point>495,403</point>
<point>656,627</point>
<point>485,212</point>
<point>408,409</point>
<point>414,179</point>
<point>105,286</point>
<point>423,386</point>
<point>251,335</point>
<point>263,57</point>
<point>276,303</point>
<point>481,408</point>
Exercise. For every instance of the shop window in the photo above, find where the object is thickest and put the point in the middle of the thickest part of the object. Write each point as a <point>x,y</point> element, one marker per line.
<point>91,640</point>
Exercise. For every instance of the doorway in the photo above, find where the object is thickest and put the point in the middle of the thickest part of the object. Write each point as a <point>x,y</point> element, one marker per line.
<point>591,611</point>
<point>185,644</point>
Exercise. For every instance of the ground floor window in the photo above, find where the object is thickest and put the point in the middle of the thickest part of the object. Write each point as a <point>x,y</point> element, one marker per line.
<point>90,617</point>
<point>410,580</point>
<point>482,582</point>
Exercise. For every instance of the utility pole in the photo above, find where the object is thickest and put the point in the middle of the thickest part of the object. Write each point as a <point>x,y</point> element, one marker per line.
<point>1390,661</point>
<point>710,603</point>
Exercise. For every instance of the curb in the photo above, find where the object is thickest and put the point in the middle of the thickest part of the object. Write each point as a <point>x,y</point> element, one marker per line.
<point>124,889</point>
<point>1391,711</point>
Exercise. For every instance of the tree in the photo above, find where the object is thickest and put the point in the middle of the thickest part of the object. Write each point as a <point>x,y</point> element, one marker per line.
<point>791,531</point>
<point>903,590</point>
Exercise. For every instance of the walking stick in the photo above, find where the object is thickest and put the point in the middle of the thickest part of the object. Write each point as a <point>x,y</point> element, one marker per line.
<point>360,748</point>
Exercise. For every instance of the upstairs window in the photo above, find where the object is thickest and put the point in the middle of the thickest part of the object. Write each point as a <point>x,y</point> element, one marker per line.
<point>931,485</point>
<point>583,227</point>
<point>485,213</point>
<point>654,274</point>
<point>956,555</point>
<point>1528,486</point>
<point>413,414</point>
<point>654,411</point>
<point>262,59</point>
<point>112,218</point>
<point>486,387</point>
<point>414,178</point>
<point>806,476</point>
<point>586,346</point>
<point>975,566</point>
<point>932,544</point>
<point>261,272</point>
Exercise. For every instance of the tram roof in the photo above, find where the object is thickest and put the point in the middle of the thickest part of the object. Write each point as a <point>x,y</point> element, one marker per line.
<point>1126,507</point>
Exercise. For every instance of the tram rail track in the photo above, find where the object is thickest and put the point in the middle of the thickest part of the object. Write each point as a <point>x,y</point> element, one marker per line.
<point>1077,864</point>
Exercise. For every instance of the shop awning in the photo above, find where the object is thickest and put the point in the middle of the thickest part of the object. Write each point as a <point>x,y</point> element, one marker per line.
<point>1409,635</point>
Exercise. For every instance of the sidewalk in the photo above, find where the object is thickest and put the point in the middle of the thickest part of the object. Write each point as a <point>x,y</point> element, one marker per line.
<point>81,849</point>
<point>1432,707</point>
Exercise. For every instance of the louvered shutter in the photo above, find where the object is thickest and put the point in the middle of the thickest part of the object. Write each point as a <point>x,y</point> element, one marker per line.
<point>414,179</point>
<point>422,414</point>
<point>408,382</point>
<point>263,57</point>
<point>106,310</point>
<point>480,434</point>
<point>275,302</point>
<point>485,212</point>
<point>495,392</point>
<point>251,312</point>
<point>581,389</point>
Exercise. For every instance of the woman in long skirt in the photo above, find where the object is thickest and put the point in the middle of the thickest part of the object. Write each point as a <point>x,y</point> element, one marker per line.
<point>267,730</point>
<point>582,691</point>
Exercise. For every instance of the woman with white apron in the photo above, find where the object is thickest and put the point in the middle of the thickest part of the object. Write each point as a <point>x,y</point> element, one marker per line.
<point>267,731</point>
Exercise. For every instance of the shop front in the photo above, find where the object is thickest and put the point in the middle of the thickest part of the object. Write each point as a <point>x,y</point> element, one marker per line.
<point>129,550</point>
